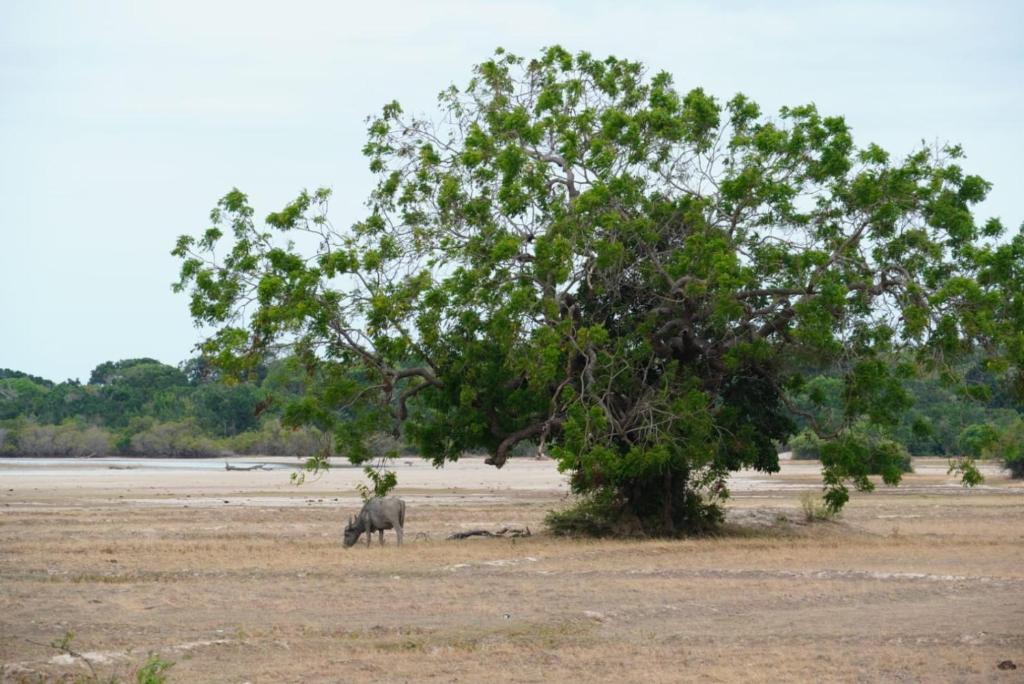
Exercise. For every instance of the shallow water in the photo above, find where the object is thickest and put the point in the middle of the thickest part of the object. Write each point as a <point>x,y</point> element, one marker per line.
<point>42,465</point>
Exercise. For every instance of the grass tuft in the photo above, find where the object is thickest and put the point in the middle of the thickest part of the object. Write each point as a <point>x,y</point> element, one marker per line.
<point>815,509</point>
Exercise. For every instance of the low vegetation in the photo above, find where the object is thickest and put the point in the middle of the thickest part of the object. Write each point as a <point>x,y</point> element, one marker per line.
<point>1004,443</point>
<point>152,671</point>
<point>815,509</point>
<point>882,453</point>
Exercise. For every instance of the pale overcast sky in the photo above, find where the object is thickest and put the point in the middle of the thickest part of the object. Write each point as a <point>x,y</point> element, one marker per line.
<point>122,123</point>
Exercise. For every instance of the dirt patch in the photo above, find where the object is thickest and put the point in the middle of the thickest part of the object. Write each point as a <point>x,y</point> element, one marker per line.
<point>919,583</point>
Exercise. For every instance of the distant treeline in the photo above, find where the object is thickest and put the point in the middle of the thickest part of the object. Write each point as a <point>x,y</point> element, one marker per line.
<point>143,407</point>
<point>983,418</point>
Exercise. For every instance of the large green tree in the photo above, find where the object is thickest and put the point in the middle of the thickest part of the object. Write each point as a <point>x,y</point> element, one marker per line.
<point>137,387</point>
<point>573,252</point>
<point>226,410</point>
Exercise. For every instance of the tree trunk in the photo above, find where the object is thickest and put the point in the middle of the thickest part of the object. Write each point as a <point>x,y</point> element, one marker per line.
<point>666,503</point>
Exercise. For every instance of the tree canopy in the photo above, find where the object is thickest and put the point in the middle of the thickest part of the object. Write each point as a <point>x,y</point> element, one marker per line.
<point>574,252</point>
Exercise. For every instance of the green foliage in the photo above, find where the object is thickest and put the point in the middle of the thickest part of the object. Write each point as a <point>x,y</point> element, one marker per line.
<point>382,481</point>
<point>22,396</point>
<point>1010,449</point>
<point>578,254</point>
<point>121,391</point>
<point>967,469</point>
<point>887,456</point>
<point>10,374</point>
<point>602,513</point>
<point>1004,443</point>
<point>110,372</point>
<point>978,438</point>
<point>154,670</point>
<point>806,446</point>
<point>65,644</point>
<point>139,387</point>
<point>141,407</point>
<point>594,515</point>
<point>854,455</point>
<point>942,411</point>
<point>881,455</point>
<point>224,409</point>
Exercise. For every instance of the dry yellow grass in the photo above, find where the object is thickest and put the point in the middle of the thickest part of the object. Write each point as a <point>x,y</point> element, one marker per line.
<point>923,583</point>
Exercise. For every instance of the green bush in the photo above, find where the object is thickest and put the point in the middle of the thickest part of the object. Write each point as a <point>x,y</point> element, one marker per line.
<point>806,446</point>
<point>975,439</point>
<point>154,670</point>
<point>1015,464</point>
<point>1009,448</point>
<point>603,514</point>
<point>888,453</point>
<point>590,516</point>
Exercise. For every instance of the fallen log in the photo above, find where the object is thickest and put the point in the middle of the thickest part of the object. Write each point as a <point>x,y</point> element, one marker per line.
<point>504,532</point>
<point>254,466</point>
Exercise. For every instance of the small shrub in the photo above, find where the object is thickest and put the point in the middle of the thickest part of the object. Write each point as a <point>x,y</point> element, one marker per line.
<point>975,439</point>
<point>1015,465</point>
<point>590,516</point>
<point>806,446</point>
<point>815,509</point>
<point>1009,448</point>
<point>603,514</point>
<point>889,455</point>
<point>154,670</point>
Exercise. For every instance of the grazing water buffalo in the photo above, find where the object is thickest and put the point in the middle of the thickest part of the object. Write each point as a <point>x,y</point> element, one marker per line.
<point>378,514</point>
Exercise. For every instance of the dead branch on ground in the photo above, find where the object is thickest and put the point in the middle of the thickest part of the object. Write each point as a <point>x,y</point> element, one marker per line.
<point>504,532</point>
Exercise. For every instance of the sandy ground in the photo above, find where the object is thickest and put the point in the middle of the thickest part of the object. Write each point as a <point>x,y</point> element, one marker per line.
<point>240,576</point>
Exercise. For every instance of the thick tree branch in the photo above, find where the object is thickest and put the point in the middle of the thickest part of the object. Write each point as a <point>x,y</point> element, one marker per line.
<point>570,178</point>
<point>501,453</point>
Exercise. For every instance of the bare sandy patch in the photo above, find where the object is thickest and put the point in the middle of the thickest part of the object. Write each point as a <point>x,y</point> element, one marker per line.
<point>919,583</point>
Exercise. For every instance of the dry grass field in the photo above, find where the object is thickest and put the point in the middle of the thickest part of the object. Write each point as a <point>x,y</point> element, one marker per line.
<point>240,577</point>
